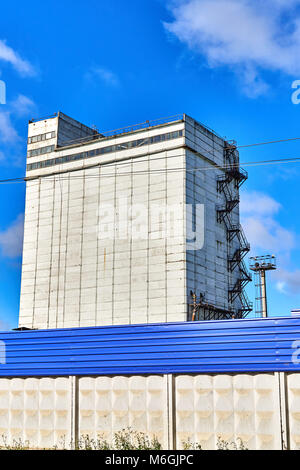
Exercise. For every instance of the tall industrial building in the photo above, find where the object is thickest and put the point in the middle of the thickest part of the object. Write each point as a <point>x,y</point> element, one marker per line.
<point>96,249</point>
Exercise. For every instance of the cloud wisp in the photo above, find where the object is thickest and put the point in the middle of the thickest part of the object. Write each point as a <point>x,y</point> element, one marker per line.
<point>8,55</point>
<point>8,133</point>
<point>103,74</point>
<point>22,106</point>
<point>248,36</point>
<point>11,239</point>
<point>11,144</point>
<point>259,212</point>
<point>12,150</point>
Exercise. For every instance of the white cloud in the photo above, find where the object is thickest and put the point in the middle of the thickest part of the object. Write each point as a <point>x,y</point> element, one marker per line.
<point>22,105</point>
<point>11,239</point>
<point>7,54</point>
<point>254,202</point>
<point>246,35</point>
<point>103,74</point>
<point>288,281</point>
<point>8,133</point>
<point>267,236</point>
<point>280,286</point>
<point>265,233</point>
<point>12,149</point>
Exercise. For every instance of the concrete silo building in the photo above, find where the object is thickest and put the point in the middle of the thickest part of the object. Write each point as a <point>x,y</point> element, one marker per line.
<point>96,249</point>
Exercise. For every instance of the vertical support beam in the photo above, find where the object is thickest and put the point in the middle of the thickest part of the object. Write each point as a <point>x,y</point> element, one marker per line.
<point>170,384</point>
<point>283,406</point>
<point>74,411</point>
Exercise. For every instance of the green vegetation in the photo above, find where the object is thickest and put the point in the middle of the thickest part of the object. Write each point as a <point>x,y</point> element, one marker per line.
<point>126,439</point>
<point>221,445</point>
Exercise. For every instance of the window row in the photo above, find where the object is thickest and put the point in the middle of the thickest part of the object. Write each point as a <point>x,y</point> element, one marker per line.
<point>104,150</point>
<point>41,151</point>
<point>41,137</point>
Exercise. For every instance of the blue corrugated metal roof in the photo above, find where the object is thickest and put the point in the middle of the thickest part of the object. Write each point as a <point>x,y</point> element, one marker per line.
<point>190,347</point>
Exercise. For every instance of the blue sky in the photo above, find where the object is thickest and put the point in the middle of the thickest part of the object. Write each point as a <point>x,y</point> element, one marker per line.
<point>229,64</point>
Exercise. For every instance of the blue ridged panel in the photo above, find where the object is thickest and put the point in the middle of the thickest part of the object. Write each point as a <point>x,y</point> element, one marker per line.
<point>259,345</point>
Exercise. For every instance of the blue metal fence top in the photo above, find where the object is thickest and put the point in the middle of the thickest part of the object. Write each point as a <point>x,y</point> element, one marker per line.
<point>227,346</point>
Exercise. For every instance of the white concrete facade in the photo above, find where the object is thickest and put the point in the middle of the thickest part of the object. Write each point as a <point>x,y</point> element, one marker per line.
<point>73,274</point>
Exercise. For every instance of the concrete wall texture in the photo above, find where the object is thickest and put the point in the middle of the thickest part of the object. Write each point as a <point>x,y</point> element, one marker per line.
<point>75,275</point>
<point>49,412</point>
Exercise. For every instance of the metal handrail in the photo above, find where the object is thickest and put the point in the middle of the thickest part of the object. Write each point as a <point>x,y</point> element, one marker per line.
<point>125,130</point>
<point>247,305</point>
<point>244,270</point>
<point>51,116</point>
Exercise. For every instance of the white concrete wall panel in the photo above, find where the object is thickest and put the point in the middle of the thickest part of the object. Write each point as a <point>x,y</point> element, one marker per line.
<point>228,407</point>
<point>35,410</point>
<point>110,404</point>
<point>293,408</point>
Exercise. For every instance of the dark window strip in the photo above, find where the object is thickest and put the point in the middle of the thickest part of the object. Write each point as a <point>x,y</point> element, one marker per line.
<point>101,151</point>
<point>39,138</point>
<point>41,151</point>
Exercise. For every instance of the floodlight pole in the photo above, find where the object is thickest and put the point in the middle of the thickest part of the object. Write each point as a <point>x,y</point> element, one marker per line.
<point>261,264</point>
<point>264,294</point>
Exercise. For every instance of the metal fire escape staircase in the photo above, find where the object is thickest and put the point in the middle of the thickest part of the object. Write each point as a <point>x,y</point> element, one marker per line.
<point>229,184</point>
